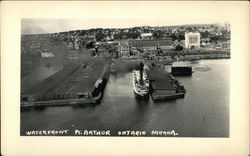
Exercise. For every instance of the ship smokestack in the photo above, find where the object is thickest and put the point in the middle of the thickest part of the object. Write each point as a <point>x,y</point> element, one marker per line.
<point>141,73</point>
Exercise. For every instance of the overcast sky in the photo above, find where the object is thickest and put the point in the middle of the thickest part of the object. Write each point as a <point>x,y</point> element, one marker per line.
<point>33,26</point>
<point>123,15</point>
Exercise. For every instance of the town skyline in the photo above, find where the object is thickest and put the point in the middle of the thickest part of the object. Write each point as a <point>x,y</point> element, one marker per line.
<point>50,26</point>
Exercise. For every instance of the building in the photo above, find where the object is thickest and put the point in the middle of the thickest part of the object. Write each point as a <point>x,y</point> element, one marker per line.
<point>192,40</point>
<point>146,35</point>
<point>152,44</point>
<point>160,83</point>
<point>73,54</point>
<point>69,45</point>
<point>124,48</point>
<point>224,45</point>
<point>47,54</point>
<point>76,44</point>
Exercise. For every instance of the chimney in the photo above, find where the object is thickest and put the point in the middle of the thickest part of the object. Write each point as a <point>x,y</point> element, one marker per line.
<point>141,73</point>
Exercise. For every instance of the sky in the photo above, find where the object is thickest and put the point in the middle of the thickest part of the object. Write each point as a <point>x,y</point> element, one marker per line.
<point>34,26</point>
<point>122,15</point>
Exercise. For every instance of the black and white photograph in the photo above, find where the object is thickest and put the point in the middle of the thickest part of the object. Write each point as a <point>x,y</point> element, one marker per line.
<point>166,79</point>
<point>127,75</point>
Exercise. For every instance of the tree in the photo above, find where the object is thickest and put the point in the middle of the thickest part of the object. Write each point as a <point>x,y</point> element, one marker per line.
<point>214,39</point>
<point>158,34</point>
<point>172,56</point>
<point>133,35</point>
<point>82,33</point>
<point>189,29</point>
<point>178,48</point>
<point>99,36</point>
<point>90,45</point>
<point>173,36</point>
<point>118,36</point>
<point>181,37</point>
<point>205,34</point>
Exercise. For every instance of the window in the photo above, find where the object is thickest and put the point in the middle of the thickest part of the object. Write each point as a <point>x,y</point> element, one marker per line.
<point>193,39</point>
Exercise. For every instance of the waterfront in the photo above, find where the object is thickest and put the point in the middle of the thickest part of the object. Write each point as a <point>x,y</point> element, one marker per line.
<point>203,112</point>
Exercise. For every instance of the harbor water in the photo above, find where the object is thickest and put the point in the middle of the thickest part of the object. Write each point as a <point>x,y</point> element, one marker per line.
<point>203,112</point>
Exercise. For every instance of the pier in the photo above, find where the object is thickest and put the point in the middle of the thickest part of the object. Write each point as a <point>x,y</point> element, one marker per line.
<point>61,102</point>
<point>74,84</point>
<point>164,86</point>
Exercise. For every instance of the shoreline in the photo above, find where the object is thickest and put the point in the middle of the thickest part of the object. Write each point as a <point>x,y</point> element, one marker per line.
<point>125,62</point>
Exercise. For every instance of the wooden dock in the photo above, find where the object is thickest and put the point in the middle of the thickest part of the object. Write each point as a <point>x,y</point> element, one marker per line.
<point>62,102</point>
<point>157,97</point>
<point>164,86</point>
<point>78,86</point>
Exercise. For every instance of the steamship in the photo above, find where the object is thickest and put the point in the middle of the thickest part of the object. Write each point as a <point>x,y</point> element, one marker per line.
<point>140,83</point>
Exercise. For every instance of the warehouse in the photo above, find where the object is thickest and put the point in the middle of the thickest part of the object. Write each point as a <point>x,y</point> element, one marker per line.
<point>152,44</point>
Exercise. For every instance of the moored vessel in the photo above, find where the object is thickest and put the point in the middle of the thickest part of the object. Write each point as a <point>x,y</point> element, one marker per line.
<point>140,83</point>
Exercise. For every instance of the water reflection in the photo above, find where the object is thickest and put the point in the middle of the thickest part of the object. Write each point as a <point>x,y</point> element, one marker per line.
<point>142,102</point>
<point>79,106</point>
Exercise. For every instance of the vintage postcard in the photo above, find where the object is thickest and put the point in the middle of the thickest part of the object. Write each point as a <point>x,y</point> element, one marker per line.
<point>129,74</point>
<point>135,81</point>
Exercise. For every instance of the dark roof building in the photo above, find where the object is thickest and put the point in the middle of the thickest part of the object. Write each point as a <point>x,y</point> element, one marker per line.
<point>159,81</point>
<point>152,44</point>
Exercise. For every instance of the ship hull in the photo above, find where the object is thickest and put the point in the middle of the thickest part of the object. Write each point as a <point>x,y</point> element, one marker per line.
<point>141,97</point>
<point>140,91</point>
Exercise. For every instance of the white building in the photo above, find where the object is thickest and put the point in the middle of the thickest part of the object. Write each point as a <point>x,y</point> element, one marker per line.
<point>47,54</point>
<point>192,40</point>
<point>146,35</point>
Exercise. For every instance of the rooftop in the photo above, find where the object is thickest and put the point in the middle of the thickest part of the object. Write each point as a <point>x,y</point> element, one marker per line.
<point>159,80</point>
<point>151,42</point>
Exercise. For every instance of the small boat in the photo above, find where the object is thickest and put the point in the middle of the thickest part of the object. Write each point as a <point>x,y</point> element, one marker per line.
<point>140,83</point>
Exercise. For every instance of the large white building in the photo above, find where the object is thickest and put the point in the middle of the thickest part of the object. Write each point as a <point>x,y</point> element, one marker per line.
<point>192,40</point>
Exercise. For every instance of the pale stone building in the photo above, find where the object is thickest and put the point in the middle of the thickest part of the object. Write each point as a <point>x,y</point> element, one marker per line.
<point>192,40</point>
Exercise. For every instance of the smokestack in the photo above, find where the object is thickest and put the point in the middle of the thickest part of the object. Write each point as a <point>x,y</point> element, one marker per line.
<point>141,73</point>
